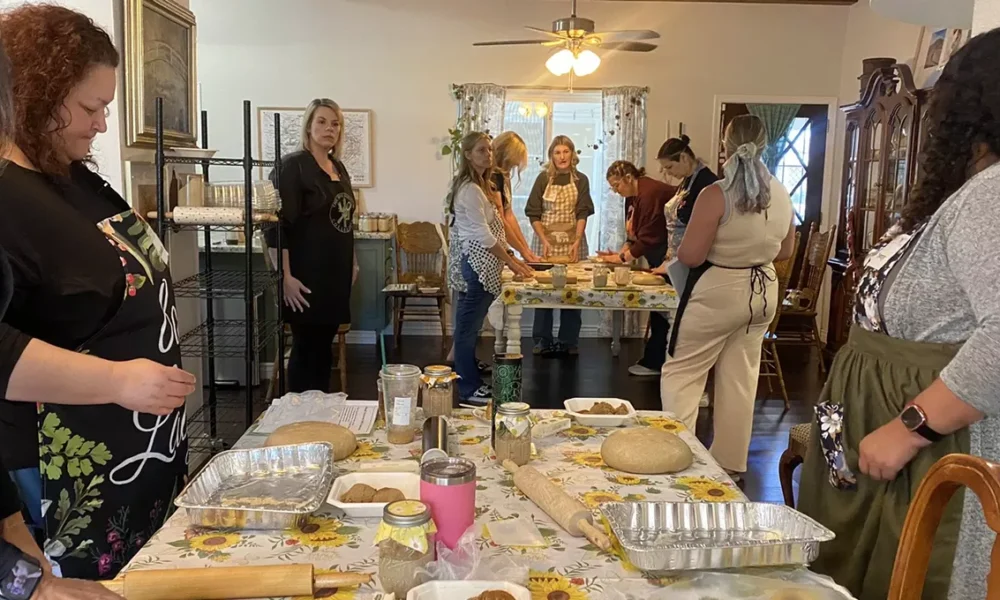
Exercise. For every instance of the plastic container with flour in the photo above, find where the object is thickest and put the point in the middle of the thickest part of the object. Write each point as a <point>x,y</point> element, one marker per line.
<point>400,388</point>
<point>448,486</point>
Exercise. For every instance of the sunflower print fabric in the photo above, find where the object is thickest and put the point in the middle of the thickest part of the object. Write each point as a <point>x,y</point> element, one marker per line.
<point>567,568</point>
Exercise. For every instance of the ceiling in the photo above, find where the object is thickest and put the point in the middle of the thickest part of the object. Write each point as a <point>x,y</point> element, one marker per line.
<point>800,2</point>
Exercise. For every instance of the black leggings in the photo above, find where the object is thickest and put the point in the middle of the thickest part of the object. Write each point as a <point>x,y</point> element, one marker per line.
<point>311,362</point>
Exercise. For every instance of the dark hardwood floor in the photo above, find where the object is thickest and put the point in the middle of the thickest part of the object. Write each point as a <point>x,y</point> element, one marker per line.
<point>595,373</point>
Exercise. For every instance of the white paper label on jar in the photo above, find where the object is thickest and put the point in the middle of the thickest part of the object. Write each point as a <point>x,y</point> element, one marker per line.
<point>401,410</point>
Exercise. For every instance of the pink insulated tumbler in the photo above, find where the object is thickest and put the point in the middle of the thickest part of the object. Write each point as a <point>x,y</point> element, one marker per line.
<point>448,486</point>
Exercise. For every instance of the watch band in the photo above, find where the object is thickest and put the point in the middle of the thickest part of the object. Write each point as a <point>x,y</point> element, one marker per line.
<point>20,573</point>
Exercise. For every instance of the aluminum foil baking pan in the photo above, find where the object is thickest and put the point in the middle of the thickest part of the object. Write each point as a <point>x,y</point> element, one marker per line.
<point>681,536</point>
<point>260,488</point>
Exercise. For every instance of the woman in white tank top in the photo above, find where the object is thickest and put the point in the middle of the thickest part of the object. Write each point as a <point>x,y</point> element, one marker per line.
<point>739,226</point>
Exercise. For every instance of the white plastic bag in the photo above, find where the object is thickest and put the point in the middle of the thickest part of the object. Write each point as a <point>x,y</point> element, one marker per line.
<point>753,584</point>
<point>466,562</point>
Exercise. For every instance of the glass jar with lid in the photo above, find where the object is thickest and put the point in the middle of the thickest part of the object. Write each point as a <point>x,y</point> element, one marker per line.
<point>405,541</point>
<point>513,433</point>
<point>439,390</point>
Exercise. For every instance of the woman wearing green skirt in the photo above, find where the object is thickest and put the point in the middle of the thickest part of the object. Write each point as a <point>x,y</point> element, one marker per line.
<point>921,369</point>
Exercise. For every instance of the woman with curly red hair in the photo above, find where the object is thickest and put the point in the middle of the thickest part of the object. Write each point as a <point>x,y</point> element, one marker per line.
<point>92,420</point>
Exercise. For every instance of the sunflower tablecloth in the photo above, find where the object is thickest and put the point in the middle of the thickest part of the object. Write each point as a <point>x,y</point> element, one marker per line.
<point>567,569</point>
<point>584,295</point>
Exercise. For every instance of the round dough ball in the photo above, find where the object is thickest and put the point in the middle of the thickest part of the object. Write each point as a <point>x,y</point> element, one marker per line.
<point>358,494</point>
<point>388,495</point>
<point>647,279</point>
<point>342,439</point>
<point>795,594</point>
<point>646,451</point>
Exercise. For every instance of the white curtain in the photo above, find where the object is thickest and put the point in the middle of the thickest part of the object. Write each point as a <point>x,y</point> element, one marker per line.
<point>624,139</point>
<point>480,107</point>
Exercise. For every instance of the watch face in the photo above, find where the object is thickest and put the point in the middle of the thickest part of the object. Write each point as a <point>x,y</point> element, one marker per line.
<point>20,582</point>
<point>912,418</point>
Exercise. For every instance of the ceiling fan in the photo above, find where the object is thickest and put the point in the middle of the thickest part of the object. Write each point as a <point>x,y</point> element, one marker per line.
<point>576,37</point>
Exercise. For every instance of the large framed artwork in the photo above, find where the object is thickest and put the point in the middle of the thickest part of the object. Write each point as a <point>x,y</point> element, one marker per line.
<point>160,62</point>
<point>935,47</point>
<point>358,151</point>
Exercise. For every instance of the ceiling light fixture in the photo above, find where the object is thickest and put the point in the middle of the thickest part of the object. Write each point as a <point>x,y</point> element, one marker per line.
<point>581,63</point>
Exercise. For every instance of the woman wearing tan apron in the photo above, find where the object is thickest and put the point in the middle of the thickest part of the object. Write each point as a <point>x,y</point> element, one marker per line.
<point>919,372</point>
<point>558,207</point>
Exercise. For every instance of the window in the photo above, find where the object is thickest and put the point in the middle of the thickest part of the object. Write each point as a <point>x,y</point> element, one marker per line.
<point>540,115</point>
<point>793,166</point>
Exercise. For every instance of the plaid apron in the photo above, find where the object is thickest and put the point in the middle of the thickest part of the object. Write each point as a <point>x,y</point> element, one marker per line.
<point>559,220</point>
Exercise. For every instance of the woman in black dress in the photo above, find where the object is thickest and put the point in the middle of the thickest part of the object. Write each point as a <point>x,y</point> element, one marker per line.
<point>317,218</point>
<point>91,282</point>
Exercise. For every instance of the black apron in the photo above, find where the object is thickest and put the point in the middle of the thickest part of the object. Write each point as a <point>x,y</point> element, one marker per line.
<point>109,475</point>
<point>758,285</point>
<point>321,253</point>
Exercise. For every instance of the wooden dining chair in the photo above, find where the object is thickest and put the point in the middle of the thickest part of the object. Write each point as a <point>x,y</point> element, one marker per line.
<point>770,365</point>
<point>945,478</point>
<point>798,324</point>
<point>421,259</point>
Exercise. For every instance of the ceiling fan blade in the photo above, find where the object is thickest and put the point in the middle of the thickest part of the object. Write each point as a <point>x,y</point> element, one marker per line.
<point>544,32</point>
<point>627,46</point>
<point>516,43</point>
<point>625,35</point>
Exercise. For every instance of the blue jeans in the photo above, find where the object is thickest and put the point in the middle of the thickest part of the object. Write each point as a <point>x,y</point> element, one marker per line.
<point>570,322</point>
<point>29,487</point>
<point>469,316</point>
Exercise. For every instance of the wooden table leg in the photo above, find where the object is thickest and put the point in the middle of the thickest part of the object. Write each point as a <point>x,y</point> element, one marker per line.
<point>617,320</point>
<point>512,322</point>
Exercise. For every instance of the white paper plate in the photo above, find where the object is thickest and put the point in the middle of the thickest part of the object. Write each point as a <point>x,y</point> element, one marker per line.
<point>461,590</point>
<point>190,152</point>
<point>574,405</point>
<point>408,483</point>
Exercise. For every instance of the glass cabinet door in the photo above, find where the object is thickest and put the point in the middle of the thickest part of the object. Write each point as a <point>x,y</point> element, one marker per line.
<point>850,192</point>
<point>873,189</point>
<point>898,166</point>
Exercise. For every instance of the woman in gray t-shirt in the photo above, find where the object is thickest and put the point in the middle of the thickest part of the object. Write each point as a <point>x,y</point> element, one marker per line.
<point>920,373</point>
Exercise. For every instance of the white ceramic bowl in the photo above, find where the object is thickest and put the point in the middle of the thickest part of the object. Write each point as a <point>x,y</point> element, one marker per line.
<point>408,483</point>
<point>461,590</point>
<point>575,405</point>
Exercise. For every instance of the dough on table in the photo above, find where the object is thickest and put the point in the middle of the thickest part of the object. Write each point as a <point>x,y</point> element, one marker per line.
<point>795,594</point>
<point>546,277</point>
<point>360,493</point>
<point>342,439</point>
<point>647,279</point>
<point>493,595</point>
<point>388,495</point>
<point>646,451</point>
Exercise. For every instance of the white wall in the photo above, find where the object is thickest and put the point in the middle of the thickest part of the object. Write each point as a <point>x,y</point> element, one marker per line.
<point>986,15</point>
<point>400,57</point>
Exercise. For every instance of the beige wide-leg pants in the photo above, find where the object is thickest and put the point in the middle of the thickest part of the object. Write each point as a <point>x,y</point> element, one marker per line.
<point>714,332</point>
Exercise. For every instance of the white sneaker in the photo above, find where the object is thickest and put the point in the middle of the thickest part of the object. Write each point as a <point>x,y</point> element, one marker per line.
<point>703,403</point>
<point>641,371</point>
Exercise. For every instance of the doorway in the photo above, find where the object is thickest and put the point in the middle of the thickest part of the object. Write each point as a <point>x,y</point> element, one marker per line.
<point>801,162</point>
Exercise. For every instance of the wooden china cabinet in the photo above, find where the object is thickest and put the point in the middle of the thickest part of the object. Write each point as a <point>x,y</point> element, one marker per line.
<point>880,160</point>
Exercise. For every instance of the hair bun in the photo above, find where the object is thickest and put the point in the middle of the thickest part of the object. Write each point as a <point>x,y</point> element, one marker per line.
<point>685,140</point>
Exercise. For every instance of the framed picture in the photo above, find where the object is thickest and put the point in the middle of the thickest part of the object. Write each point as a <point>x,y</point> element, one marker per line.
<point>358,150</point>
<point>935,47</point>
<point>160,62</point>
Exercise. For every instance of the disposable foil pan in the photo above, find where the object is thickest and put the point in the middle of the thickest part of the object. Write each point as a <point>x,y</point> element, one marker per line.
<point>680,536</point>
<point>260,488</point>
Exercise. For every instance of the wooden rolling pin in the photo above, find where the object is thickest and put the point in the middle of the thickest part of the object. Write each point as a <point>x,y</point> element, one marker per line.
<point>565,510</point>
<point>226,583</point>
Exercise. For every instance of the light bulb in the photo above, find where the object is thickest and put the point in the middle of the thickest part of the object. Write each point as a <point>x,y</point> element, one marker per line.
<point>541,110</point>
<point>586,63</point>
<point>525,110</point>
<point>561,62</point>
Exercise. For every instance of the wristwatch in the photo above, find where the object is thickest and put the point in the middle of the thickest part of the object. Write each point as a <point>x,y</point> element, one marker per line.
<point>19,573</point>
<point>915,419</point>
<point>621,257</point>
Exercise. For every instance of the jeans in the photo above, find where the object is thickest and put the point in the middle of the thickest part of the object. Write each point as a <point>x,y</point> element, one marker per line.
<point>473,305</point>
<point>311,361</point>
<point>570,322</point>
<point>29,487</point>
<point>659,325</point>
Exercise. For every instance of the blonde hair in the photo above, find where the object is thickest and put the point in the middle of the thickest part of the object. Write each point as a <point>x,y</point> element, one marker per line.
<point>746,175</point>
<point>550,167</point>
<point>509,153</point>
<point>467,172</point>
<point>310,114</point>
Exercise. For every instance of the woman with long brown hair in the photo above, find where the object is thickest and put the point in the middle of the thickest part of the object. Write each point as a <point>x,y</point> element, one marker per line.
<point>91,282</point>
<point>479,233</point>
<point>558,207</point>
<point>918,376</point>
